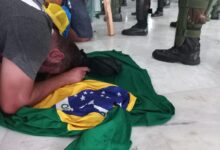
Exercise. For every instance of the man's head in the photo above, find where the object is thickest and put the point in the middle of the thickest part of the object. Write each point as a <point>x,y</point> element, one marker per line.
<point>63,55</point>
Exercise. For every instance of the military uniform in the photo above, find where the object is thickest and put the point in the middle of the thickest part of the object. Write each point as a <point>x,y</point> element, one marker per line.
<point>192,15</point>
<point>116,10</point>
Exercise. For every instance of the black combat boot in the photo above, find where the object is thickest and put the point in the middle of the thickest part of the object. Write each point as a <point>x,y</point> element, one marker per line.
<point>188,53</point>
<point>139,29</point>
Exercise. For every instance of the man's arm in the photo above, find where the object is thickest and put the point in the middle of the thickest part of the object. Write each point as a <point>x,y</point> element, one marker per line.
<point>18,89</point>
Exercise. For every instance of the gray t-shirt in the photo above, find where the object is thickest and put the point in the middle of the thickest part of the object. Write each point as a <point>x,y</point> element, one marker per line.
<point>25,35</point>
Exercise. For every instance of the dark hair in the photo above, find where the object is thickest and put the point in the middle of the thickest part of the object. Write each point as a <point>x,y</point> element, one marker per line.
<point>73,56</point>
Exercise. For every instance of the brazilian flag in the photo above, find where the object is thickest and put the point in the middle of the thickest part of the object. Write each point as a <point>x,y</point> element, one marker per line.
<point>78,109</point>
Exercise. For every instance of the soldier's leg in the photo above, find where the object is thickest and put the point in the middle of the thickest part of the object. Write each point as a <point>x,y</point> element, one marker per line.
<point>215,14</point>
<point>116,10</point>
<point>192,16</point>
<point>186,49</point>
<point>142,7</point>
<point>159,11</point>
<point>140,28</point>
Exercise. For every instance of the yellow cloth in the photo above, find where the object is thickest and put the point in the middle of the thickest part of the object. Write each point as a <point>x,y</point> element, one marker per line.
<point>58,16</point>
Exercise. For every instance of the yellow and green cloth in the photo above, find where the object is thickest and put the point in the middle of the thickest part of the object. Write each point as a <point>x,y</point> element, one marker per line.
<point>84,105</point>
<point>101,110</point>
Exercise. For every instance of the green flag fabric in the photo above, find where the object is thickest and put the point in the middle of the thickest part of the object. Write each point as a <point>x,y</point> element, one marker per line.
<point>114,132</point>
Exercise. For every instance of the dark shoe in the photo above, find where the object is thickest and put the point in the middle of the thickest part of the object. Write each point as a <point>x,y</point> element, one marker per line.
<point>135,31</point>
<point>188,53</point>
<point>173,24</point>
<point>157,14</point>
<point>133,13</point>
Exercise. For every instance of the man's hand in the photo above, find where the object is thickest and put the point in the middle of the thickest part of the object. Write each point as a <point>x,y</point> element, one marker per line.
<point>75,75</point>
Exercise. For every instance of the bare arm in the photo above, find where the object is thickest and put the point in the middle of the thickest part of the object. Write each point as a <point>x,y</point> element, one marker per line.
<point>17,89</point>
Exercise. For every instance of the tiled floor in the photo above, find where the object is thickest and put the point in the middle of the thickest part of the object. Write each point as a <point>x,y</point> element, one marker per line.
<point>194,90</point>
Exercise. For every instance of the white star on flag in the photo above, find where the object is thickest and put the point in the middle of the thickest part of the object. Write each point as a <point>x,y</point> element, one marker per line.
<point>118,94</point>
<point>82,98</point>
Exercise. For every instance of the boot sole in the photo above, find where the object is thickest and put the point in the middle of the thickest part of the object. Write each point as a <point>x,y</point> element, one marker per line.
<point>189,62</point>
<point>139,34</point>
<point>185,61</point>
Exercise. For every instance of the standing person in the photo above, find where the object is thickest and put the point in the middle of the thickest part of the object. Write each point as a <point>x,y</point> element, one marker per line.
<point>141,27</point>
<point>81,24</point>
<point>192,15</point>
<point>80,29</point>
<point>28,45</point>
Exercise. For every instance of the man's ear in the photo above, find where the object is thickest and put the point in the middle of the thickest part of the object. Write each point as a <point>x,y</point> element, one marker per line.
<point>55,56</point>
